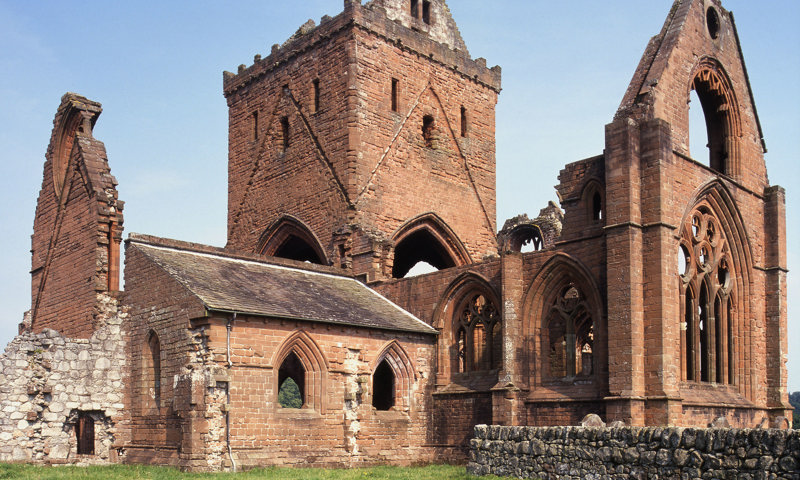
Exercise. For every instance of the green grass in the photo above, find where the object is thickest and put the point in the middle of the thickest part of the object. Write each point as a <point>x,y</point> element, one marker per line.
<point>431,472</point>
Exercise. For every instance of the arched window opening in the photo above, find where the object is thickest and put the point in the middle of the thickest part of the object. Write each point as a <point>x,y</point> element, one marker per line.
<point>592,200</point>
<point>708,324</point>
<point>525,239</point>
<point>151,370</point>
<point>463,121</point>
<point>712,22</point>
<point>291,381</point>
<point>708,92</point>
<point>383,387</point>
<point>290,238</point>
<point>295,248</point>
<point>570,335</point>
<point>479,334</point>
<point>420,246</point>
<point>597,206</point>
<point>428,131</point>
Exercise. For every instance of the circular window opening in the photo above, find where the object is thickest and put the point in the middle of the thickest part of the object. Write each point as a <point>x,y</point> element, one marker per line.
<point>712,21</point>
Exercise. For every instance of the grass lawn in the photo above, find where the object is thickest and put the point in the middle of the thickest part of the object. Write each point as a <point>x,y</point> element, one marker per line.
<point>431,472</point>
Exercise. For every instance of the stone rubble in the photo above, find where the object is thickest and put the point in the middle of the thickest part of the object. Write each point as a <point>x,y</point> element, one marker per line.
<point>46,380</point>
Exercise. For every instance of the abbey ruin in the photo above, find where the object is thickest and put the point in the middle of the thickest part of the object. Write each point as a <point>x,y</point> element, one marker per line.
<point>654,294</point>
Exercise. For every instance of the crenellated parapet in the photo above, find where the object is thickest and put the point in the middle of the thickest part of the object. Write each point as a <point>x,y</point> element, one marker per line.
<point>387,21</point>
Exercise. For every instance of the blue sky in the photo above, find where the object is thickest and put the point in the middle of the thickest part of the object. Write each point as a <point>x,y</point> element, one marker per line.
<point>157,69</point>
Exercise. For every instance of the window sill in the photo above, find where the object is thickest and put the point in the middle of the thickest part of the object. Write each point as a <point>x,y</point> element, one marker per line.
<point>297,413</point>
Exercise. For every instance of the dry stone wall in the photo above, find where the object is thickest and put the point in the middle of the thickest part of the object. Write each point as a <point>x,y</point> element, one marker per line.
<point>48,382</point>
<point>634,453</point>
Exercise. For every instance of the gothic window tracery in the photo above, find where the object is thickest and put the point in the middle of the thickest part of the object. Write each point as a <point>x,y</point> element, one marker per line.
<point>706,288</point>
<point>478,334</point>
<point>570,334</point>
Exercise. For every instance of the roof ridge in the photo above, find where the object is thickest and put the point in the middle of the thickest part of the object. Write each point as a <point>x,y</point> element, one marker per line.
<point>225,252</point>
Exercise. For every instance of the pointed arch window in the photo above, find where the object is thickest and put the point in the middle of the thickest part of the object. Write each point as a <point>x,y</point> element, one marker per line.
<point>383,386</point>
<point>479,334</point>
<point>151,370</point>
<point>290,238</point>
<point>291,382</point>
<point>592,197</point>
<point>299,379</point>
<point>427,239</point>
<point>711,89</point>
<point>570,335</point>
<point>392,379</point>
<point>706,291</point>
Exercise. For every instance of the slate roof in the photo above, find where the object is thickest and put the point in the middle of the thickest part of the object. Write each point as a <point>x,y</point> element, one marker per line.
<point>224,283</point>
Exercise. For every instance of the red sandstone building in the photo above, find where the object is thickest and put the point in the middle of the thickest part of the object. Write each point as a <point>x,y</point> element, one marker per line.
<point>655,294</point>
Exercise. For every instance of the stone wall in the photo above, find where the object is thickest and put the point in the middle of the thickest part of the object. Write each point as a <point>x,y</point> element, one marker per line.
<point>48,382</point>
<point>633,452</point>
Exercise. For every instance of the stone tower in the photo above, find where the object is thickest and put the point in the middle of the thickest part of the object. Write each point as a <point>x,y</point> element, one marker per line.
<point>366,142</point>
<point>77,228</point>
<point>696,261</point>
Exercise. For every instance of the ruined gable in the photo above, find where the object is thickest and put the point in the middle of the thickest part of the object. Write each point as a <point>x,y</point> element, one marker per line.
<point>698,50</point>
<point>78,225</point>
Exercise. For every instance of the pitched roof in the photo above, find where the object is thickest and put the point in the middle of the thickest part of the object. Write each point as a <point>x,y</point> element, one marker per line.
<point>226,283</point>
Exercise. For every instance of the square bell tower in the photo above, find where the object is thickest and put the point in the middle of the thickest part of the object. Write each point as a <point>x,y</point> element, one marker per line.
<point>366,142</point>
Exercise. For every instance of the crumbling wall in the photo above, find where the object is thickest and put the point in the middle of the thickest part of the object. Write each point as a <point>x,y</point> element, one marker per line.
<point>48,381</point>
<point>633,452</point>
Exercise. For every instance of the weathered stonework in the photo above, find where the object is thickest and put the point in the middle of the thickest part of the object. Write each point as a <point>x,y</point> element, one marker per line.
<point>47,380</point>
<point>358,149</point>
<point>587,453</point>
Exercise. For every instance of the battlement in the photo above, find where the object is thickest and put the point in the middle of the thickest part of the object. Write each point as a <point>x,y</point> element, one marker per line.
<point>375,19</point>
